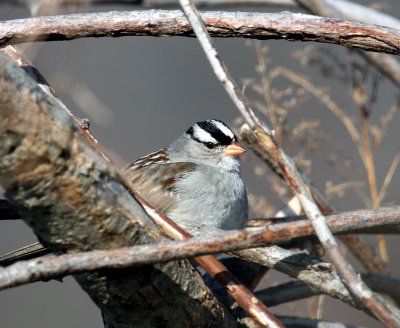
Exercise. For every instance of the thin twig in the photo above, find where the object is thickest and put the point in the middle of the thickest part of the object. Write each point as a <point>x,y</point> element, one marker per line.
<point>312,271</point>
<point>321,96</point>
<point>389,176</point>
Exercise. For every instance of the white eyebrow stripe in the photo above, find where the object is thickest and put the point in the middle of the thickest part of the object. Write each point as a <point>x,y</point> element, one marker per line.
<point>223,128</point>
<point>202,135</point>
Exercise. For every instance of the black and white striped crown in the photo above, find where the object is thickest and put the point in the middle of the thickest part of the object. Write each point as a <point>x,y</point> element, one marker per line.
<point>212,133</point>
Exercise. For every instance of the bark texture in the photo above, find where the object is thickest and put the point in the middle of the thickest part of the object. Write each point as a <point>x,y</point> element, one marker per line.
<point>285,25</point>
<point>74,201</point>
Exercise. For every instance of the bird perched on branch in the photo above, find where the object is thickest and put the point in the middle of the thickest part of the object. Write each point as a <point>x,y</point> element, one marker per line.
<point>196,179</point>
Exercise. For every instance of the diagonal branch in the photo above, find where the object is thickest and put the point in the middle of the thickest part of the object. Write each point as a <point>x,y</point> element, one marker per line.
<point>292,177</point>
<point>285,25</point>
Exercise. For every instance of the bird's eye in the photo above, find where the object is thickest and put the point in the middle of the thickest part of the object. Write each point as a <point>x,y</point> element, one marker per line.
<point>210,145</point>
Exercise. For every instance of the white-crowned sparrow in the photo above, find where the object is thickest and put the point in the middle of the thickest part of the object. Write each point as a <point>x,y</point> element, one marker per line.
<point>196,178</point>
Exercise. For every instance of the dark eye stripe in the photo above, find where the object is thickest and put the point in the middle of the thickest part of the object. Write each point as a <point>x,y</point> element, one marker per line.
<point>215,132</point>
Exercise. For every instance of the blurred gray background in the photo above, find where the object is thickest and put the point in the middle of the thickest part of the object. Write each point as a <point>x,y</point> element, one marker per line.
<point>139,94</point>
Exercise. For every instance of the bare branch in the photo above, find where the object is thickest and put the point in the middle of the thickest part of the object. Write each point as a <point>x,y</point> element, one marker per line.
<point>276,231</point>
<point>161,3</point>
<point>53,267</point>
<point>354,221</point>
<point>288,26</point>
<point>366,254</point>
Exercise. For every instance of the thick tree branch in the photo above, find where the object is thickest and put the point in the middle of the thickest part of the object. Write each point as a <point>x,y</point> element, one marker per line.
<point>288,26</point>
<point>72,198</point>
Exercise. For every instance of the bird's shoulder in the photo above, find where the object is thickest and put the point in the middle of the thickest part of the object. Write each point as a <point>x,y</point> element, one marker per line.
<point>154,177</point>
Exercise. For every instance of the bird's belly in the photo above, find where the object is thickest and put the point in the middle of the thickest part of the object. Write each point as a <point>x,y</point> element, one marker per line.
<point>216,205</point>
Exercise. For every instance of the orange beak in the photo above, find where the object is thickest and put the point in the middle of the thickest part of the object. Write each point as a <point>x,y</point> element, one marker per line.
<point>234,149</point>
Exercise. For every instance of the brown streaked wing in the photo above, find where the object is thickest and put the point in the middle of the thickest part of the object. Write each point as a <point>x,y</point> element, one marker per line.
<point>155,182</point>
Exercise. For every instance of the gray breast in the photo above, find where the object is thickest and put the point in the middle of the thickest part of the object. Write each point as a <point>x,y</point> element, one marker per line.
<point>213,197</point>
